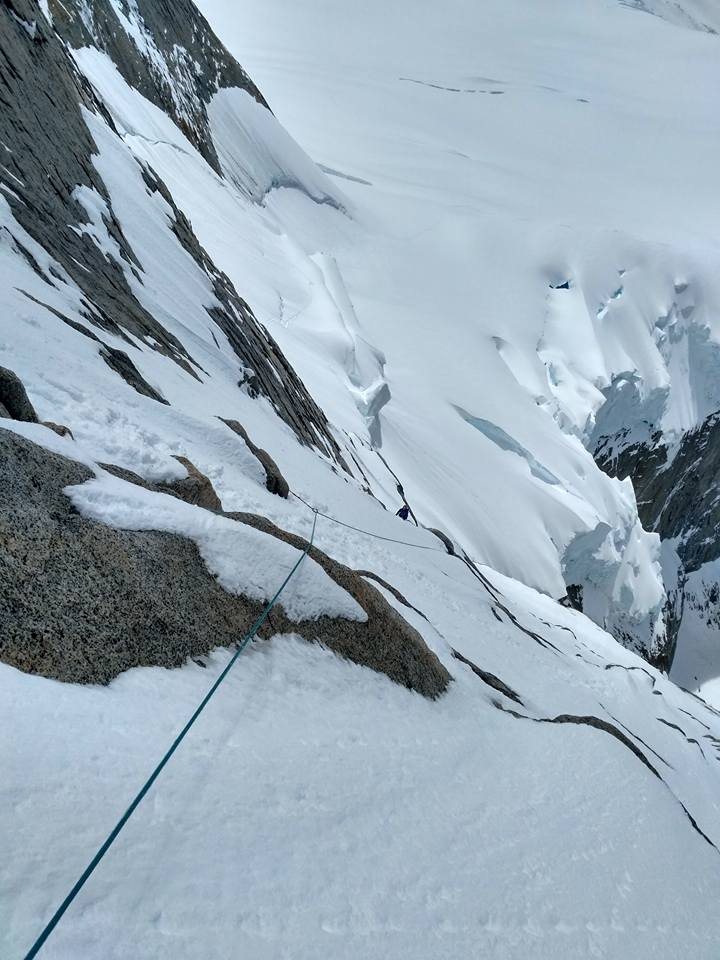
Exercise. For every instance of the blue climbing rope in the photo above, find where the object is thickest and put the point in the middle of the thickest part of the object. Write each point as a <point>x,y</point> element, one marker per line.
<point>367,533</point>
<point>57,916</point>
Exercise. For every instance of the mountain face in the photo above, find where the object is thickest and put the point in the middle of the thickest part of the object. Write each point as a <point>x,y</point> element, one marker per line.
<point>58,202</point>
<point>164,50</point>
<point>114,93</point>
<point>594,300</point>
<point>81,75</point>
<point>659,428</point>
<point>134,74</point>
<point>489,290</point>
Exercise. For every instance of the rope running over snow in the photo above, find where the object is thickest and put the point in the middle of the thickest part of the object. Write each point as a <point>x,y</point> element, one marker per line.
<point>405,543</point>
<point>57,916</point>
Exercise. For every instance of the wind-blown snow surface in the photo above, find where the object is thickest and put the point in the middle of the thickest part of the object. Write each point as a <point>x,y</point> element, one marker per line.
<point>317,809</point>
<point>534,195</point>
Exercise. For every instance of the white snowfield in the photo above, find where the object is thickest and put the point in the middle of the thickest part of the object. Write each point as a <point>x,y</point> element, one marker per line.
<point>534,196</point>
<point>317,809</point>
<point>510,207</point>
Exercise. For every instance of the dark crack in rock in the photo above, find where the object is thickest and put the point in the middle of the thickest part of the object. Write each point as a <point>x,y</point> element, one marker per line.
<point>489,678</point>
<point>444,539</point>
<point>369,575</point>
<point>612,730</point>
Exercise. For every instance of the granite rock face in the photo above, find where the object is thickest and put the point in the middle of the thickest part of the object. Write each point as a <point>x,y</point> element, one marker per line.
<point>59,428</point>
<point>195,489</point>
<point>14,401</point>
<point>82,602</point>
<point>275,481</point>
<point>386,643</point>
<point>49,152</point>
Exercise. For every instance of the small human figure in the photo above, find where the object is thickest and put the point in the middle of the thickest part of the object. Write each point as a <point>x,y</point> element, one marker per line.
<point>403,512</point>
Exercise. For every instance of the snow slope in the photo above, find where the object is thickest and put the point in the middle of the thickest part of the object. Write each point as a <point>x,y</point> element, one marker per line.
<point>535,207</point>
<point>361,281</point>
<point>692,14</point>
<point>318,809</point>
<point>560,801</point>
<point>358,271</point>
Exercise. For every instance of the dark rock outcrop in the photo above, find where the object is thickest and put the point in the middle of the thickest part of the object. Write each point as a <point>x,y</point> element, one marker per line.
<point>131,477</point>
<point>59,428</point>
<point>573,599</point>
<point>489,678</point>
<point>49,155</point>
<point>195,488</point>
<point>386,643</point>
<point>401,598</point>
<point>274,480</point>
<point>121,363</point>
<point>15,404</point>
<point>14,399</point>
<point>444,539</point>
<point>677,497</point>
<point>81,601</point>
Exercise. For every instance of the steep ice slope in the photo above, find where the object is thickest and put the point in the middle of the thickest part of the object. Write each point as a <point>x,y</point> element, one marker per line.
<point>535,206</point>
